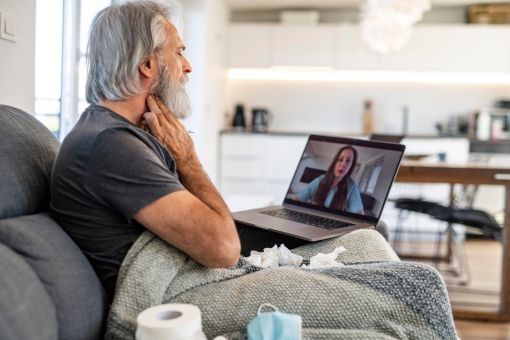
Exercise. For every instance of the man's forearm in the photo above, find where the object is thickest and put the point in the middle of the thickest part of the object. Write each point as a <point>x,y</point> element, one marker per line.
<point>193,177</point>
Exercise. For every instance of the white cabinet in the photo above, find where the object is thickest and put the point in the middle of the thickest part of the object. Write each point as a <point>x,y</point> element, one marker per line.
<point>249,45</point>
<point>478,49</point>
<point>425,51</point>
<point>303,46</point>
<point>259,164</point>
<point>353,53</point>
<point>448,48</point>
<point>453,48</point>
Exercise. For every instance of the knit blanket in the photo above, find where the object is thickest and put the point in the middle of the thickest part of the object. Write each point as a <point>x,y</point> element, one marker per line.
<point>375,296</point>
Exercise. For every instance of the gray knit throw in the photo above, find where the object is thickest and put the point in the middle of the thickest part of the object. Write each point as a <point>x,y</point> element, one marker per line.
<point>375,296</point>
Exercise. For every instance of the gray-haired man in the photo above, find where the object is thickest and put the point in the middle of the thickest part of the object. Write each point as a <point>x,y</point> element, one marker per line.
<point>129,165</point>
<point>111,179</point>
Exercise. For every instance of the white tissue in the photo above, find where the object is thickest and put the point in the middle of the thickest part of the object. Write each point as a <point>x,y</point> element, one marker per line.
<point>286,258</point>
<point>254,259</point>
<point>270,257</point>
<point>274,257</point>
<point>326,260</point>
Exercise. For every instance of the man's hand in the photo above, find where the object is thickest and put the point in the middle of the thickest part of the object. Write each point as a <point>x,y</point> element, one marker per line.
<point>167,129</point>
<point>196,221</point>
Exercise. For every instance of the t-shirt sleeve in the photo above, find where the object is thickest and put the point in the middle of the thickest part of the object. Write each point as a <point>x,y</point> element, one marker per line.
<point>307,193</point>
<point>125,174</point>
<point>354,203</point>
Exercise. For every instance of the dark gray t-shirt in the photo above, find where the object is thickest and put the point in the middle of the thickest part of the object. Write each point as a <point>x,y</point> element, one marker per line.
<point>106,170</point>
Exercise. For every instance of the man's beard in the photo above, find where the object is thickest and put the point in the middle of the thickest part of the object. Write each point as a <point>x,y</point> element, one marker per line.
<point>172,93</point>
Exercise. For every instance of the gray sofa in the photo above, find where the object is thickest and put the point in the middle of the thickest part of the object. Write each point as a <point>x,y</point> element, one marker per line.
<point>48,288</point>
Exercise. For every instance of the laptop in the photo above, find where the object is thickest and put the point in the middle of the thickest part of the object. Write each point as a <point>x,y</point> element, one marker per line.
<point>313,209</point>
<point>386,138</point>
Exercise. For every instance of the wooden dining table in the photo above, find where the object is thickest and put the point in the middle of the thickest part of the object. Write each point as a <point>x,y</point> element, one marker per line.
<point>478,174</point>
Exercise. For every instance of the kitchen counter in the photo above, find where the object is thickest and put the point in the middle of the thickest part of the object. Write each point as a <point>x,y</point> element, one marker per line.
<point>302,133</point>
<point>293,133</point>
<point>489,146</point>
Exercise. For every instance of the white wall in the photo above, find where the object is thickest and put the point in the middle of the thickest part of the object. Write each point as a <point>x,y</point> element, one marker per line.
<point>205,31</point>
<point>217,13</point>
<point>194,39</point>
<point>333,107</point>
<point>17,59</point>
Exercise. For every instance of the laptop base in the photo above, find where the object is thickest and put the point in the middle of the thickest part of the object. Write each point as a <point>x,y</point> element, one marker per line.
<point>253,238</point>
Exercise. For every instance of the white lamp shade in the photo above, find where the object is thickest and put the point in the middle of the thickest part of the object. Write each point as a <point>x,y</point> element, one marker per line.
<point>384,36</point>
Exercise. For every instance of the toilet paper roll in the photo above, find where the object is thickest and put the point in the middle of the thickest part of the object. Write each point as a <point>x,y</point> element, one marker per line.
<point>169,322</point>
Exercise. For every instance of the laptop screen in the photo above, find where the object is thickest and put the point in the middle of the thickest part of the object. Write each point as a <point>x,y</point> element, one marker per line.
<point>346,177</point>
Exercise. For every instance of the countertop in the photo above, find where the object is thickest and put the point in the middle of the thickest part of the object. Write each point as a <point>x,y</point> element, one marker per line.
<point>489,146</point>
<point>303,133</point>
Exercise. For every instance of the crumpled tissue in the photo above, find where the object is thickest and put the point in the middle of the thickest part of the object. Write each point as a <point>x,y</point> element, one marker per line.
<point>274,257</point>
<point>326,260</point>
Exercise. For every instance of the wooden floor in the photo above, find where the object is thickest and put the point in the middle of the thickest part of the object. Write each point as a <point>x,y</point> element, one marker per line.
<point>480,293</point>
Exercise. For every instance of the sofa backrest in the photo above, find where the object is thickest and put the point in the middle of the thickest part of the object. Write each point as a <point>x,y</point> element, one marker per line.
<point>27,152</point>
<point>64,298</point>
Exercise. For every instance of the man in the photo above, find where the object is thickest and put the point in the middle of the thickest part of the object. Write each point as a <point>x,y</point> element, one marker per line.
<point>129,164</point>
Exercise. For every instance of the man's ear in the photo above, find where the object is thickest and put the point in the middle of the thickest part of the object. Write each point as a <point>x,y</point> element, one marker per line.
<point>148,68</point>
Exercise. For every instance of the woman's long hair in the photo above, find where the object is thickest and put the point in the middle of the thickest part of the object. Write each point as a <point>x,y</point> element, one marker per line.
<point>340,199</point>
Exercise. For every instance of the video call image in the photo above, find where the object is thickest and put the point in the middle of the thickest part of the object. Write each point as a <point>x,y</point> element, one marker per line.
<point>355,179</point>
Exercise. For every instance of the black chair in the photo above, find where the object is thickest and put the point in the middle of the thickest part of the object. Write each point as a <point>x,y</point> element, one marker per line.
<point>473,218</point>
<point>407,205</point>
<point>440,212</point>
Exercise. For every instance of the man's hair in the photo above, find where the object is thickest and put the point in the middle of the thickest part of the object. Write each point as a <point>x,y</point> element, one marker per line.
<point>121,38</point>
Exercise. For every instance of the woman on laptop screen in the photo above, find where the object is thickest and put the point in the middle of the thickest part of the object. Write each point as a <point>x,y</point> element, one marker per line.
<point>335,189</point>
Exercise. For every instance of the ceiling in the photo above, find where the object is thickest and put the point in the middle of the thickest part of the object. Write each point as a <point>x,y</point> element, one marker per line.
<point>276,4</point>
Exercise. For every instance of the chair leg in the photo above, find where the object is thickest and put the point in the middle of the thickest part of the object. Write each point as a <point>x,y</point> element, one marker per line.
<point>497,237</point>
<point>417,247</point>
<point>437,257</point>
<point>460,252</point>
<point>460,267</point>
<point>467,270</point>
<point>398,232</point>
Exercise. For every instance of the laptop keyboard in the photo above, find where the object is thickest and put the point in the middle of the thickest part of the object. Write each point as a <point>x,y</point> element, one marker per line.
<point>312,220</point>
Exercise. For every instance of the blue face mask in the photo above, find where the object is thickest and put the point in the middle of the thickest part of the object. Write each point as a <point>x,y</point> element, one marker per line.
<point>274,326</point>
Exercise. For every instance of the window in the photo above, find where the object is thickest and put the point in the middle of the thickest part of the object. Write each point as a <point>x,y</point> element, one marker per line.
<point>89,10</point>
<point>48,63</point>
<point>370,176</point>
<point>60,72</point>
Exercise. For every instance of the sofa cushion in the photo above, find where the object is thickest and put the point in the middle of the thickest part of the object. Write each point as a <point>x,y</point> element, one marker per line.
<point>67,275</point>
<point>27,152</point>
<point>27,311</point>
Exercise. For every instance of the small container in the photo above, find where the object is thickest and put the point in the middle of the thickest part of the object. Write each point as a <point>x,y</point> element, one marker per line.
<point>496,129</point>
<point>368,118</point>
<point>483,125</point>
<point>441,156</point>
<point>239,123</point>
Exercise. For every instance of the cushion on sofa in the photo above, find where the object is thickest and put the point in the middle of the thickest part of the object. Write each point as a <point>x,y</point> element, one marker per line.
<point>67,275</point>
<point>27,309</point>
<point>27,152</point>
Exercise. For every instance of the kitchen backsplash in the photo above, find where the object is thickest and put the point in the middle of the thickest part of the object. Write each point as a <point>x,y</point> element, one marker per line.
<point>338,107</point>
